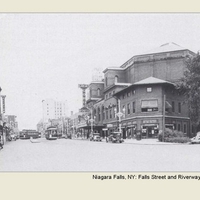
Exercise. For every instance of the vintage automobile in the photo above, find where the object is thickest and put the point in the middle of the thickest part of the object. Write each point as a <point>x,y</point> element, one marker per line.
<point>196,139</point>
<point>115,137</point>
<point>95,137</point>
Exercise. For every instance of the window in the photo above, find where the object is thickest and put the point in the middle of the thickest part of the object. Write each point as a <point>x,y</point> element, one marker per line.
<point>128,94</point>
<point>124,109</point>
<point>179,127</point>
<point>179,107</point>
<point>173,106</point>
<point>110,94</point>
<point>106,96</point>
<point>185,128</point>
<point>113,91</point>
<point>99,114</point>
<point>110,113</point>
<point>103,113</point>
<point>128,108</point>
<point>106,113</point>
<point>149,89</point>
<point>133,91</point>
<point>106,81</point>
<point>149,105</point>
<point>133,104</point>
<point>98,92</point>
<point>116,79</point>
<point>124,95</point>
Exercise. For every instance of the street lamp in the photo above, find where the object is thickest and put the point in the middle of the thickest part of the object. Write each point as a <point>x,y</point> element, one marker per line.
<point>119,115</point>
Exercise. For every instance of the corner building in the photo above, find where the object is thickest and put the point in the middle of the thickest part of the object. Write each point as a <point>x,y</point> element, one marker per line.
<point>143,90</point>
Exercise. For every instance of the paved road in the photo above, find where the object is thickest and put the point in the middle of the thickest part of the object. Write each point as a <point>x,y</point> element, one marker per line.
<point>85,156</point>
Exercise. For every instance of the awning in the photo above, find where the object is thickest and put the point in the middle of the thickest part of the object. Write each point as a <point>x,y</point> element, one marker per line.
<point>149,103</point>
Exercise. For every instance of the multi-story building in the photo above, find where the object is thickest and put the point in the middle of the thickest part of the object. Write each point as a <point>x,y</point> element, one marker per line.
<point>54,109</point>
<point>143,91</point>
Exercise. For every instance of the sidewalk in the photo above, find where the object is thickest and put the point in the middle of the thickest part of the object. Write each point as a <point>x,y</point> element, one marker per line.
<point>148,141</point>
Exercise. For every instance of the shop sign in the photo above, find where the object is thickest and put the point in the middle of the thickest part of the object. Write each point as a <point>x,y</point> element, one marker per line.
<point>109,125</point>
<point>151,121</point>
<point>104,129</point>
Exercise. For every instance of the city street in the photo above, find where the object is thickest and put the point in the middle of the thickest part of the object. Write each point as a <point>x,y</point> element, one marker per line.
<point>79,155</point>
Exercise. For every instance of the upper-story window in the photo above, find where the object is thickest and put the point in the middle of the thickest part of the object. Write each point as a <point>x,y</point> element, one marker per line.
<point>179,107</point>
<point>113,91</point>
<point>133,106</point>
<point>149,105</point>
<point>124,95</point>
<point>149,89</point>
<point>173,106</point>
<point>116,79</point>
<point>98,92</point>
<point>128,108</point>
<point>106,81</point>
<point>133,91</point>
<point>128,94</point>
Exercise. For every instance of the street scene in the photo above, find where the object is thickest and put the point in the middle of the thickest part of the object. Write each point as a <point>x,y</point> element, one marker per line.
<point>78,155</point>
<point>92,92</point>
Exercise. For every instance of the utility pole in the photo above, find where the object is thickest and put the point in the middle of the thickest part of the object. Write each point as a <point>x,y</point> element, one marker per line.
<point>164,97</point>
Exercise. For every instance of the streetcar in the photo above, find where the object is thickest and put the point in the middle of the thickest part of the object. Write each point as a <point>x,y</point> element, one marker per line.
<point>51,133</point>
<point>28,133</point>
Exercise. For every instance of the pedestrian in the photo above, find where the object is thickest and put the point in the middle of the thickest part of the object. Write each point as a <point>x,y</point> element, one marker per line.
<point>1,139</point>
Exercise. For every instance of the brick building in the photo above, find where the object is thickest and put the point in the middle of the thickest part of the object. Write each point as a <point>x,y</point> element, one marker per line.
<point>141,89</point>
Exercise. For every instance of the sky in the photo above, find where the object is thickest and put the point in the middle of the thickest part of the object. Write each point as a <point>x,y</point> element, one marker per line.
<point>46,56</point>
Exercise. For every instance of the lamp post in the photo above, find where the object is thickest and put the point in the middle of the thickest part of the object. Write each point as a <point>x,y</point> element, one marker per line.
<point>119,115</point>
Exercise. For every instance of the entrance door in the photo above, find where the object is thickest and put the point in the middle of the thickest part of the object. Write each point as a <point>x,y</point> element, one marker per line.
<point>149,131</point>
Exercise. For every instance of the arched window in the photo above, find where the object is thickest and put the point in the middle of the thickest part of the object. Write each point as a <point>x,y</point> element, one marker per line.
<point>116,79</point>
<point>98,92</point>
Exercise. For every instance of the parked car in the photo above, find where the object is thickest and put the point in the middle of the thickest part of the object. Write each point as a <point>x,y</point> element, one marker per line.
<point>115,137</point>
<point>95,137</point>
<point>196,139</point>
<point>12,136</point>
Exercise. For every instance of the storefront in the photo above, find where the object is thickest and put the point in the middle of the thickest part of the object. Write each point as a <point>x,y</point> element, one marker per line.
<point>150,128</point>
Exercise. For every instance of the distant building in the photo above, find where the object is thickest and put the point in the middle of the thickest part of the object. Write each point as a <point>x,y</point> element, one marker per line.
<point>54,109</point>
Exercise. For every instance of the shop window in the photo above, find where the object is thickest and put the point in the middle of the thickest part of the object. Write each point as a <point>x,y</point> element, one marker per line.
<point>149,89</point>
<point>133,107</point>
<point>149,105</point>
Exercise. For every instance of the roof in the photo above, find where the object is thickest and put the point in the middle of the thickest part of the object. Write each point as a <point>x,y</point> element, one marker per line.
<point>151,80</point>
<point>168,47</point>
<point>146,81</point>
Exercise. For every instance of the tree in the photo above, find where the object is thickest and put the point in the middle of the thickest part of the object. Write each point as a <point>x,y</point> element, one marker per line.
<point>189,86</point>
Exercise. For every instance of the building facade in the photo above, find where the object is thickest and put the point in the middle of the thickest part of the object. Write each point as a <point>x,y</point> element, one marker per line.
<point>140,95</point>
<point>54,109</point>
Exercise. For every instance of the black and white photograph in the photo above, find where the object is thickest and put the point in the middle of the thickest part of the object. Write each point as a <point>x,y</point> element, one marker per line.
<point>99,92</point>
